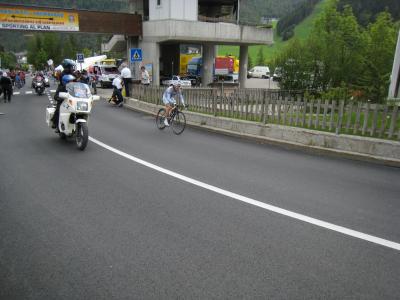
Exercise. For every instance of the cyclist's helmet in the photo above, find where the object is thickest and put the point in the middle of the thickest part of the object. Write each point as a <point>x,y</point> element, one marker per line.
<point>68,65</point>
<point>176,85</point>
<point>67,79</point>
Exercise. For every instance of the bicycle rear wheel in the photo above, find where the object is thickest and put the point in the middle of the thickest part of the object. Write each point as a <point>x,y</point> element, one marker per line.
<point>160,119</point>
<point>178,123</point>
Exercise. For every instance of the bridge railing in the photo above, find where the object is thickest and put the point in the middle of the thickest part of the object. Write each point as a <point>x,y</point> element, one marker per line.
<point>288,108</point>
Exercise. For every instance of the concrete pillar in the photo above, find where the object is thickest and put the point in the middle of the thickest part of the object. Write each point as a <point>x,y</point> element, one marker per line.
<point>132,42</point>
<point>151,55</point>
<point>244,52</point>
<point>395,78</point>
<point>208,64</point>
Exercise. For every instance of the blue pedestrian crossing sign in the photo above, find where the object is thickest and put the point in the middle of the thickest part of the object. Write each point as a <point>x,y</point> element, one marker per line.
<point>136,54</point>
<point>80,57</point>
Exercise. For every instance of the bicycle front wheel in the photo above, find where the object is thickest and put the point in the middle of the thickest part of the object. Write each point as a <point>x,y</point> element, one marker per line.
<point>160,119</point>
<point>178,123</point>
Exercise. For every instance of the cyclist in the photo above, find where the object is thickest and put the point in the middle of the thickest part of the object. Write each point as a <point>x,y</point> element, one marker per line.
<point>174,90</point>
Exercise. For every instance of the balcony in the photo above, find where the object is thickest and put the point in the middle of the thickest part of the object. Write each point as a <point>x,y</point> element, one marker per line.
<point>198,31</point>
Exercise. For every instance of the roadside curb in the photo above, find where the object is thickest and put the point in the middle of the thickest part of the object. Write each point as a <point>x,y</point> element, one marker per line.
<point>388,161</point>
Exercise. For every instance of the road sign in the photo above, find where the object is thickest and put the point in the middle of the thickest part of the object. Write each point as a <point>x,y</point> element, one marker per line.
<point>80,57</point>
<point>136,54</point>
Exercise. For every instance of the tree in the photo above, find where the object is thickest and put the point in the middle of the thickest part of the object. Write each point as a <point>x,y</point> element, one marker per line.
<point>340,42</point>
<point>250,63</point>
<point>381,39</point>
<point>51,45</point>
<point>260,57</point>
<point>32,50</point>
<point>295,66</point>
<point>67,50</point>
<point>41,59</point>
<point>87,52</point>
<point>74,46</point>
<point>8,60</point>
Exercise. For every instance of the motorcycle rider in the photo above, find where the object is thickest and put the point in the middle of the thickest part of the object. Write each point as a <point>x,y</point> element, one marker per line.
<point>38,77</point>
<point>84,77</point>
<point>65,77</point>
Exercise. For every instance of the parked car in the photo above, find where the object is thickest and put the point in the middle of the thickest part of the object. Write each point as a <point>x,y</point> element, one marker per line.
<point>259,72</point>
<point>174,79</point>
<point>195,80</point>
<point>277,74</point>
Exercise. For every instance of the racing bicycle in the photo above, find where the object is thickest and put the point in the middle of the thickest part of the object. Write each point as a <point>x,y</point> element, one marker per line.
<point>177,119</point>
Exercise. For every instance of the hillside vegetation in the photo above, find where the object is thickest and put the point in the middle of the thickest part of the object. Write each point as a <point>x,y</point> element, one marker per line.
<point>254,10</point>
<point>301,31</point>
<point>363,10</point>
<point>286,24</point>
<point>366,11</point>
<point>340,58</point>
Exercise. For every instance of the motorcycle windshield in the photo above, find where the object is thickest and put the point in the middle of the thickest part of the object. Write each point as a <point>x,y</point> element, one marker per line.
<point>78,90</point>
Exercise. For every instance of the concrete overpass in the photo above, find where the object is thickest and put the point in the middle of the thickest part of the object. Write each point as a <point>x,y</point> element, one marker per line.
<point>169,23</point>
<point>41,18</point>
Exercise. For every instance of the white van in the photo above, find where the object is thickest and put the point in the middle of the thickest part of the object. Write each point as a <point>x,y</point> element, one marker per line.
<point>258,72</point>
<point>105,74</point>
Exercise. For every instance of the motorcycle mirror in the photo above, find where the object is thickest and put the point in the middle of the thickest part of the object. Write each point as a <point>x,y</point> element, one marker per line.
<point>95,97</point>
<point>63,95</point>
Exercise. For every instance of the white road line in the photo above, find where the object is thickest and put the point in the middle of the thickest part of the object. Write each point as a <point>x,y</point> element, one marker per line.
<point>288,213</point>
<point>28,92</point>
<point>52,91</point>
<point>16,93</point>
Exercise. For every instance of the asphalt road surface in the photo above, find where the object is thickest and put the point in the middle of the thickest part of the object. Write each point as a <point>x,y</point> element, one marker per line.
<point>180,222</point>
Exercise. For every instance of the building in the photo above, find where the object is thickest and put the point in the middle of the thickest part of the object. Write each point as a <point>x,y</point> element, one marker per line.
<point>169,23</point>
<point>394,89</point>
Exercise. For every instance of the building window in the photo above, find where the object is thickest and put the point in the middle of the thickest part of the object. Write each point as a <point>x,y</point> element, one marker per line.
<point>158,2</point>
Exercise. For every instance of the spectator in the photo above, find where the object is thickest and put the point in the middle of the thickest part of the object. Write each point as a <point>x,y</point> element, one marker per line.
<point>145,76</point>
<point>127,78</point>
<point>22,77</point>
<point>12,76</point>
<point>6,87</point>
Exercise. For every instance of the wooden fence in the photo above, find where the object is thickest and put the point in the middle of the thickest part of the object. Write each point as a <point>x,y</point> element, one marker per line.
<point>288,108</point>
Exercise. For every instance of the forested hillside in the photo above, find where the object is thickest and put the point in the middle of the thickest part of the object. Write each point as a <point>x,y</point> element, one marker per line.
<point>287,23</point>
<point>254,10</point>
<point>367,10</point>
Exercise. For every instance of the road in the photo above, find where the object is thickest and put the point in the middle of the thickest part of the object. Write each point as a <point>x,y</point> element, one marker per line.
<point>171,216</point>
<point>258,83</point>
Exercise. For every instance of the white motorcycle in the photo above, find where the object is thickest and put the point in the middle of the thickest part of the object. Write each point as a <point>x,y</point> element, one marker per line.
<point>74,113</point>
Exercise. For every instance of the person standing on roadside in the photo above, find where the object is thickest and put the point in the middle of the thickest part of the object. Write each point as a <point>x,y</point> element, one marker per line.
<point>127,78</point>
<point>22,76</point>
<point>145,76</point>
<point>12,76</point>
<point>6,86</point>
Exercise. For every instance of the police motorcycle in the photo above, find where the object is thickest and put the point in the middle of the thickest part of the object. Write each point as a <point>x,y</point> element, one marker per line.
<point>75,110</point>
<point>39,85</point>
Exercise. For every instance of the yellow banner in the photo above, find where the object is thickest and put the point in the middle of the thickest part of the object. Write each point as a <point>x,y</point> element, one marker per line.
<point>38,19</point>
